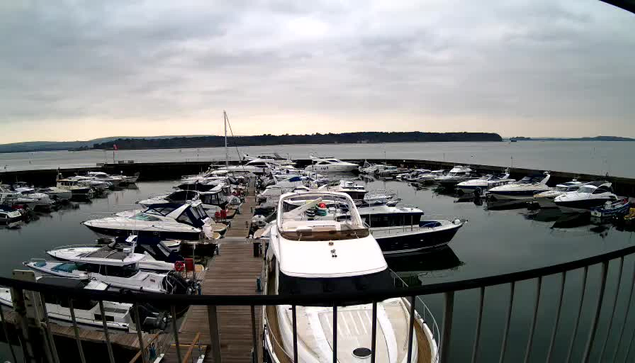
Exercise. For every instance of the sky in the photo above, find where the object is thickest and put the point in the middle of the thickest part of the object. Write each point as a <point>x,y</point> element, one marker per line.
<point>77,70</point>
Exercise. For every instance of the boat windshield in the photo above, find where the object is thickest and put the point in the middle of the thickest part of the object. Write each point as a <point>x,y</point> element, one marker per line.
<point>586,189</point>
<point>314,217</point>
<point>290,285</point>
<point>145,217</point>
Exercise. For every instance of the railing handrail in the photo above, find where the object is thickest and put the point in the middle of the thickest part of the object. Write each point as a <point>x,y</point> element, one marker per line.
<point>323,298</point>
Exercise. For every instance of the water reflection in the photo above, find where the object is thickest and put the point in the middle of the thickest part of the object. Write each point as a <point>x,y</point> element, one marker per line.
<point>504,204</point>
<point>413,267</point>
<point>544,215</point>
<point>572,221</point>
<point>469,198</point>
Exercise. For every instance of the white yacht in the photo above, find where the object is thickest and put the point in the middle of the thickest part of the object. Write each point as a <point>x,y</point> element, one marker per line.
<point>413,175</point>
<point>429,178</point>
<point>523,190</point>
<point>115,180</point>
<point>187,221</point>
<point>147,263</point>
<point>354,190</point>
<point>79,189</point>
<point>330,165</point>
<point>27,197</point>
<point>481,185</point>
<point>312,252</point>
<point>117,269</point>
<point>98,186</point>
<point>118,316</point>
<point>546,199</point>
<point>456,175</point>
<point>255,166</point>
<point>588,196</point>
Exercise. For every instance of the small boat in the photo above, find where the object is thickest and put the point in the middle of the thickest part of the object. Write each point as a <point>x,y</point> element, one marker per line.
<point>118,316</point>
<point>589,196</point>
<point>9,215</point>
<point>618,208</point>
<point>546,199</point>
<point>523,190</point>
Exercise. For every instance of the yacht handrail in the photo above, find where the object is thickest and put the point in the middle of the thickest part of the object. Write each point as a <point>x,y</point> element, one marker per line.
<point>436,333</point>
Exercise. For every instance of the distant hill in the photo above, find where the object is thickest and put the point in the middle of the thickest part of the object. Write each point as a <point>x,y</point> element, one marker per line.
<point>268,139</point>
<point>595,138</point>
<point>62,145</point>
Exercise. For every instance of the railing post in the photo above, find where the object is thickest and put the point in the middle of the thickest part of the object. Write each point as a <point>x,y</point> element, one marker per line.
<point>373,335</point>
<point>628,309</point>
<point>596,317</point>
<point>111,355</point>
<point>19,306</point>
<point>47,327</point>
<point>507,322</point>
<point>6,335</point>
<point>479,319</point>
<point>254,334</point>
<point>533,320</point>
<point>295,333</point>
<point>447,327</point>
<point>577,320</point>
<point>617,294</point>
<point>335,333</point>
<point>176,333</point>
<point>139,333</point>
<point>214,335</point>
<point>80,349</point>
<point>556,324</point>
<point>411,326</point>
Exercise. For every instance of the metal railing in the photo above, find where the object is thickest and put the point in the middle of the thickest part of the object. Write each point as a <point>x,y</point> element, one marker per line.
<point>412,293</point>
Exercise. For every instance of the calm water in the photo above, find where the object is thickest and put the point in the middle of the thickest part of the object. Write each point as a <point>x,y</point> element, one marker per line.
<point>581,157</point>
<point>492,242</point>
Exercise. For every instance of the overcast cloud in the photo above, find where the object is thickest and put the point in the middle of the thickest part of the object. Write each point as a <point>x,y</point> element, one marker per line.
<point>85,69</point>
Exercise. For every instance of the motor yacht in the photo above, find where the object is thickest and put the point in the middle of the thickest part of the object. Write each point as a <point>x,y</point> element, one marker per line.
<point>117,269</point>
<point>546,199</point>
<point>588,196</point>
<point>400,229</point>
<point>87,313</point>
<point>115,180</point>
<point>312,252</point>
<point>79,189</point>
<point>330,165</point>
<point>413,175</point>
<point>33,199</point>
<point>429,178</point>
<point>456,175</point>
<point>255,166</point>
<point>481,185</point>
<point>167,221</point>
<point>98,186</point>
<point>523,190</point>
<point>354,190</point>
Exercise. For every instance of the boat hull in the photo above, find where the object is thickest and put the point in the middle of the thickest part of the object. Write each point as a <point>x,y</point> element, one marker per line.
<point>580,206</point>
<point>111,232</point>
<point>415,240</point>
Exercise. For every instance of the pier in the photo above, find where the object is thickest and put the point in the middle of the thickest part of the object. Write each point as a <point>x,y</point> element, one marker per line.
<point>234,271</point>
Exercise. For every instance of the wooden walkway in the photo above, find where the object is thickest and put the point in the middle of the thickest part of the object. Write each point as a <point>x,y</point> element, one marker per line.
<point>232,272</point>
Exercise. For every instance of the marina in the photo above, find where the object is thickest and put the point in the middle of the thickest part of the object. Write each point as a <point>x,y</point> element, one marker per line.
<point>474,251</point>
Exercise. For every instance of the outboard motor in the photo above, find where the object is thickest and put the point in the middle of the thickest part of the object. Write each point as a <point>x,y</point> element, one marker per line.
<point>151,319</point>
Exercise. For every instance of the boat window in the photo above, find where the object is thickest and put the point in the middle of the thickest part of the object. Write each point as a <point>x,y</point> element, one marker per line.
<point>119,271</point>
<point>601,190</point>
<point>185,218</point>
<point>145,217</point>
<point>289,285</point>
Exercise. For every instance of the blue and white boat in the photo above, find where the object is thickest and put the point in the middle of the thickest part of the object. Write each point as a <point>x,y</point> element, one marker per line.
<point>617,208</point>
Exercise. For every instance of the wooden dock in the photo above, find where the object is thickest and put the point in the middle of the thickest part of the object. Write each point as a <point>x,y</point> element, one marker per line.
<point>233,271</point>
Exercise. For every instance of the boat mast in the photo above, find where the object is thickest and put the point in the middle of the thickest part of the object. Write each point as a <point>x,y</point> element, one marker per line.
<point>226,150</point>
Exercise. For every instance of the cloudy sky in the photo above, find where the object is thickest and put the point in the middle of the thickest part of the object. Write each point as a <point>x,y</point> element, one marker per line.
<point>84,69</point>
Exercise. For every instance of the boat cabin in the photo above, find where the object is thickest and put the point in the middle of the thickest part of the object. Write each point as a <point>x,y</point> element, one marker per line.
<point>192,213</point>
